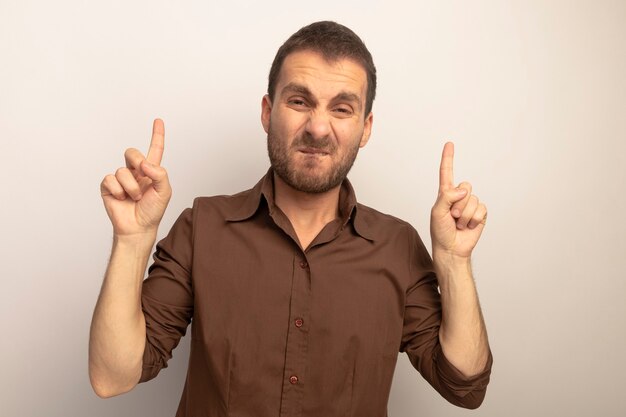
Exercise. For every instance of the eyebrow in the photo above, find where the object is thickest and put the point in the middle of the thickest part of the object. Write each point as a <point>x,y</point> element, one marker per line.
<point>296,88</point>
<point>301,89</point>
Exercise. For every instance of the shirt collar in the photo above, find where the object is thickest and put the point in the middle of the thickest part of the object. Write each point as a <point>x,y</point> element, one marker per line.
<point>348,207</point>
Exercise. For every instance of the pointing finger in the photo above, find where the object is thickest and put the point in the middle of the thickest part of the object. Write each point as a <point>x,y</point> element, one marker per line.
<point>157,143</point>
<point>446,177</point>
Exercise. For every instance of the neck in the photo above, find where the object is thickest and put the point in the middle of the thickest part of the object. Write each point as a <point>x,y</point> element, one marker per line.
<point>307,212</point>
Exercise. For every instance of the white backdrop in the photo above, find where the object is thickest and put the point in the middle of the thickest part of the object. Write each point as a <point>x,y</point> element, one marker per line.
<point>533,93</point>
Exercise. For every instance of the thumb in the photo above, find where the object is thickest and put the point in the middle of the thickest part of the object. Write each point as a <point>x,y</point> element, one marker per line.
<point>158,175</point>
<point>447,198</point>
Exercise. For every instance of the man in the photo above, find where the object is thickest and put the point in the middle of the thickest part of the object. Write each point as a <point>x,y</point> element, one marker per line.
<point>300,297</point>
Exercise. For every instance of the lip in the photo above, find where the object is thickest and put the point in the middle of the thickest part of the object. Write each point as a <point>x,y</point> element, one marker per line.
<point>313,151</point>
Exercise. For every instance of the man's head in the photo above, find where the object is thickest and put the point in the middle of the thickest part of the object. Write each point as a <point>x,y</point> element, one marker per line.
<point>317,112</point>
<point>334,42</point>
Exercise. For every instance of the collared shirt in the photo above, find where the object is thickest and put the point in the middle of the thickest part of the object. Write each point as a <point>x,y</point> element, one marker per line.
<point>280,330</point>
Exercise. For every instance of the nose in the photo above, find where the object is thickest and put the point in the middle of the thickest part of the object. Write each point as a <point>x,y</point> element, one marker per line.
<point>318,125</point>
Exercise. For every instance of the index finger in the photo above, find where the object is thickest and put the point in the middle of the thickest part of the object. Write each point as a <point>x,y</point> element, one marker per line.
<point>446,177</point>
<point>157,143</point>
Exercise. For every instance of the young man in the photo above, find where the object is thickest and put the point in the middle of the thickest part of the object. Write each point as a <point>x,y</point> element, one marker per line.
<point>300,297</point>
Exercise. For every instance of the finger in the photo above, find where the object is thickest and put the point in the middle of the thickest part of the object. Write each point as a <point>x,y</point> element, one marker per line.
<point>446,199</point>
<point>129,183</point>
<point>157,143</point>
<point>110,186</point>
<point>158,175</point>
<point>133,159</point>
<point>446,177</point>
<point>144,183</point>
<point>480,217</point>
<point>468,213</point>
<point>459,206</point>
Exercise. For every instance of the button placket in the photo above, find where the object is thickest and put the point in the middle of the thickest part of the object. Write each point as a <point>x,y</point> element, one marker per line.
<point>297,337</point>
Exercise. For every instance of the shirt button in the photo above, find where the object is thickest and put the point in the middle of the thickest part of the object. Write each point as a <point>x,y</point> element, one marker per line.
<point>293,379</point>
<point>303,264</point>
<point>299,322</point>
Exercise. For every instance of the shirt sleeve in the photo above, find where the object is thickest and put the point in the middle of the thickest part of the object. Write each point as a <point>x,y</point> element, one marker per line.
<point>420,338</point>
<point>167,296</point>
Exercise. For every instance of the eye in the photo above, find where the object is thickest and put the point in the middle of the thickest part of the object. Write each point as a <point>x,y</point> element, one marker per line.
<point>297,102</point>
<point>343,110</point>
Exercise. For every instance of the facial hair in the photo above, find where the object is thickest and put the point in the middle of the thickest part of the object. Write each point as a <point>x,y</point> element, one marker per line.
<point>305,178</point>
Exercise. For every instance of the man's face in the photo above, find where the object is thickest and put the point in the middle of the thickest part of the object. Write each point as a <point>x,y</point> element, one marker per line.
<point>316,124</point>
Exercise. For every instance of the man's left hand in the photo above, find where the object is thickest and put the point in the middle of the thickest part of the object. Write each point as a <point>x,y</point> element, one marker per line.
<point>458,218</point>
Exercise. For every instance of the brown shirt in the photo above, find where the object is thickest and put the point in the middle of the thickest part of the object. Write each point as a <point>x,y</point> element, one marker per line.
<point>281,331</point>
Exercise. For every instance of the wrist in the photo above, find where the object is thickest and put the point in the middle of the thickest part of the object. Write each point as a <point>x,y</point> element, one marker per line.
<point>449,266</point>
<point>449,258</point>
<point>143,240</point>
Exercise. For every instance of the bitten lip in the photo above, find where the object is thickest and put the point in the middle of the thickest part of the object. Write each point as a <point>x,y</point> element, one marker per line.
<point>315,151</point>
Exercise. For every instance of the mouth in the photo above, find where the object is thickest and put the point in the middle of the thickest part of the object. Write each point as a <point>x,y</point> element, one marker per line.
<point>313,151</point>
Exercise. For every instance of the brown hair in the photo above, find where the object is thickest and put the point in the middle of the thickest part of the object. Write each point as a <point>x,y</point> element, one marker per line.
<point>333,41</point>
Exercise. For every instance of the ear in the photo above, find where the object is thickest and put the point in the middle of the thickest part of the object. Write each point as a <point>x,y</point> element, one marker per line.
<point>367,130</point>
<point>266,112</point>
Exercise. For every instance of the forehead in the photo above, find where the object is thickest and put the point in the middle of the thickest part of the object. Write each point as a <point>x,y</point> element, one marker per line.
<point>322,77</point>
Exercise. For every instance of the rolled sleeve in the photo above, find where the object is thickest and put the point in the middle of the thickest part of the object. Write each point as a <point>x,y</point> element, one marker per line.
<point>420,339</point>
<point>167,296</point>
<point>467,392</point>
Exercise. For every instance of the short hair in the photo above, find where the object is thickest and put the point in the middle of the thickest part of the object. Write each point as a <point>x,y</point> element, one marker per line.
<point>333,41</point>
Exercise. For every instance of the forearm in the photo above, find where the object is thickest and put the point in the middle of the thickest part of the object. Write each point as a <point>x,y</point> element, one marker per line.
<point>462,334</point>
<point>117,337</point>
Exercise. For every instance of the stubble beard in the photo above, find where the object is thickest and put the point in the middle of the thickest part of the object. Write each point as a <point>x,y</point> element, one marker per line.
<point>305,178</point>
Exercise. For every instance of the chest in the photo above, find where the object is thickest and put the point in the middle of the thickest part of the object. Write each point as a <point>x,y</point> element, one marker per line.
<point>250,283</point>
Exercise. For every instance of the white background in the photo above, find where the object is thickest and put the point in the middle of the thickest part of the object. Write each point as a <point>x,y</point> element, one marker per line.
<point>533,93</point>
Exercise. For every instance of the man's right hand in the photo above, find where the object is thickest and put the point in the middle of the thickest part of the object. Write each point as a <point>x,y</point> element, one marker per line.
<point>136,196</point>
<point>135,199</point>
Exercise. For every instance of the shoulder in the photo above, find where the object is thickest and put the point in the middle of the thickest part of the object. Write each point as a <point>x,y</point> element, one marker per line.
<point>223,208</point>
<point>376,225</point>
<point>226,204</point>
<point>375,219</point>
<point>395,236</point>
